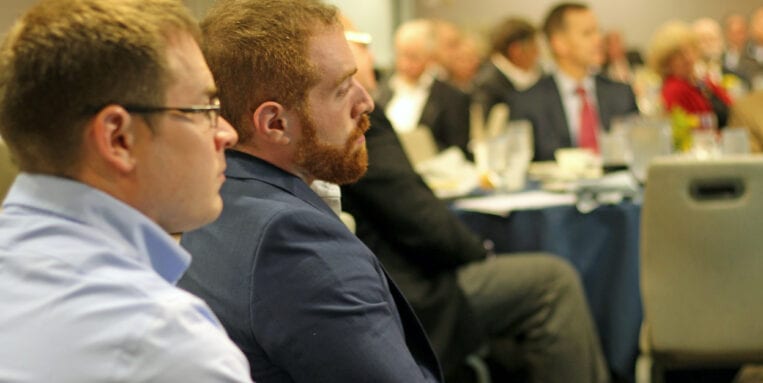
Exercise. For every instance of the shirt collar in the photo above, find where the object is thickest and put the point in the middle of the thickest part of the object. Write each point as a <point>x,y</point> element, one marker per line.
<point>520,78</point>
<point>75,201</point>
<point>423,83</point>
<point>568,86</point>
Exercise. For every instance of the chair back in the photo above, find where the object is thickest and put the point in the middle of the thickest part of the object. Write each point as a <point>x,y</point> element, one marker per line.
<point>702,258</point>
<point>419,144</point>
<point>8,170</point>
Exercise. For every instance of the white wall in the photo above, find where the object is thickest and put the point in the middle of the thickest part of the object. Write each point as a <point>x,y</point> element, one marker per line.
<point>376,17</point>
<point>9,11</point>
<point>636,18</point>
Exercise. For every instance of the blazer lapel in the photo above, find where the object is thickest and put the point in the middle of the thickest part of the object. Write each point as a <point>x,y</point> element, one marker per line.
<point>245,166</point>
<point>557,114</point>
<point>603,104</point>
<point>431,108</point>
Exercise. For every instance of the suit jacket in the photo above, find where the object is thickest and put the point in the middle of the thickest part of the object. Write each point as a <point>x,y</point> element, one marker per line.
<point>749,66</point>
<point>446,113</point>
<point>303,298</point>
<point>491,87</point>
<point>419,241</point>
<point>542,105</point>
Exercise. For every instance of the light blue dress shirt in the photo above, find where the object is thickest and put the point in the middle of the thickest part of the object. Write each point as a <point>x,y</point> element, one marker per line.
<point>87,294</point>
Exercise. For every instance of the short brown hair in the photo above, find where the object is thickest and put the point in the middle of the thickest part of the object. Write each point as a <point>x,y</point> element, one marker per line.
<point>257,51</point>
<point>555,20</point>
<point>65,59</point>
<point>510,31</point>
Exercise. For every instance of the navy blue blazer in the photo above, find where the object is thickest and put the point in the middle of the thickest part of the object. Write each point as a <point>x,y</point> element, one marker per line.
<point>302,297</point>
<point>542,105</point>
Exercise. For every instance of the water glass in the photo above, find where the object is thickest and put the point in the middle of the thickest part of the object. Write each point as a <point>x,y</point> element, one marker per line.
<point>649,138</point>
<point>704,144</point>
<point>735,140</point>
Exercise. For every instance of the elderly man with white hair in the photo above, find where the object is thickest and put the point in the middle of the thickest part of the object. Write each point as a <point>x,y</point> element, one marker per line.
<point>413,96</point>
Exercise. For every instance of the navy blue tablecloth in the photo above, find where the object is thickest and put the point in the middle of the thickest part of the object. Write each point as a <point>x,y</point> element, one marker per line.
<point>603,247</point>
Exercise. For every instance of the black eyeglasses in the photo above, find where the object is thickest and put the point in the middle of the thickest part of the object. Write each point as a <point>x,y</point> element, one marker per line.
<point>212,110</point>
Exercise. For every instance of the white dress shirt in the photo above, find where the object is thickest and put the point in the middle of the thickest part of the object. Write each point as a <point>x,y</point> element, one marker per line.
<point>520,78</point>
<point>87,294</point>
<point>408,101</point>
<point>571,100</point>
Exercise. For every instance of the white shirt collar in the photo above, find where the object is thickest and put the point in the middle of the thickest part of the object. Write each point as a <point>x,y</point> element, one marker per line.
<point>423,83</point>
<point>571,101</point>
<point>567,85</point>
<point>522,79</point>
<point>405,107</point>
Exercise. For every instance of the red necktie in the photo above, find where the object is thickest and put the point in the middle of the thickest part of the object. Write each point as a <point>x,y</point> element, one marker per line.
<point>589,123</point>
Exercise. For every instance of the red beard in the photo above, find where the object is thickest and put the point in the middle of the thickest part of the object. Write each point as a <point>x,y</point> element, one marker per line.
<point>337,164</point>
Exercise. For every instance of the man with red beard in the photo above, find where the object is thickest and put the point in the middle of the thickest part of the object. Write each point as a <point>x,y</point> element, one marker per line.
<point>303,298</point>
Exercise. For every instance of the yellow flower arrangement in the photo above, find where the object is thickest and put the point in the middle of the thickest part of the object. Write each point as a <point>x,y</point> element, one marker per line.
<point>682,123</point>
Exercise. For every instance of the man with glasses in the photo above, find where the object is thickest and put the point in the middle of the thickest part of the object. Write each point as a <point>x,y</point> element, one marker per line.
<point>300,294</point>
<point>110,112</point>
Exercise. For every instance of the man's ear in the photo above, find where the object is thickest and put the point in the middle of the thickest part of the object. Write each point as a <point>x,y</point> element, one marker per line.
<point>272,123</point>
<point>112,135</point>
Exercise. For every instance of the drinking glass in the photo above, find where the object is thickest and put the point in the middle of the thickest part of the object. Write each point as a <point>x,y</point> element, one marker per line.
<point>649,138</point>
<point>735,140</point>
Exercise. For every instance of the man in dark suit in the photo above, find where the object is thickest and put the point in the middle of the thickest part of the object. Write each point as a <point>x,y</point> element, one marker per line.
<point>751,61</point>
<point>301,296</point>
<point>513,65</point>
<point>571,106</point>
<point>735,33</point>
<point>413,96</point>
<point>464,298</point>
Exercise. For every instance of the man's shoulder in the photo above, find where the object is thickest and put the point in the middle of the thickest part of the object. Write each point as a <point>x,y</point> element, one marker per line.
<point>542,88</point>
<point>536,97</point>
<point>487,74</point>
<point>606,83</point>
<point>101,319</point>
<point>446,89</point>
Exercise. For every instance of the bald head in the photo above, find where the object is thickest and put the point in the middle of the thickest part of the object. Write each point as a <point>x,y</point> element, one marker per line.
<point>709,37</point>
<point>735,30</point>
<point>414,48</point>
<point>756,26</point>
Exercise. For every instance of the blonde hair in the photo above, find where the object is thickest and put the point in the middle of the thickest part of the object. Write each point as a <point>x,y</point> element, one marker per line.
<point>66,59</point>
<point>668,40</point>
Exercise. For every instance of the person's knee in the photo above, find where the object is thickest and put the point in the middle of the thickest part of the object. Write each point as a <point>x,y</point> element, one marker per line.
<point>561,273</point>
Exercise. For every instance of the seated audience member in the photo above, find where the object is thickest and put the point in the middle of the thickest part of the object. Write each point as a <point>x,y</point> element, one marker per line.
<point>735,32</point>
<point>464,298</point>
<point>448,40</point>
<point>300,294</point>
<point>111,114</point>
<point>710,60</point>
<point>465,68</point>
<point>619,63</point>
<point>413,96</point>
<point>570,106</point>
<point>673,53</point>
<point>747,112</point>
<point>751,61</point>
<point>513,64</point>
